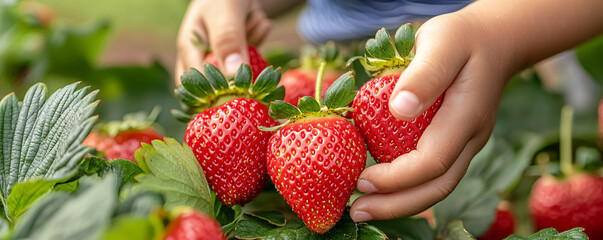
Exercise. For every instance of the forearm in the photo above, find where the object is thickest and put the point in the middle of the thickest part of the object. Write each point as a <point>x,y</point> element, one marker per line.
<point>536,29</point>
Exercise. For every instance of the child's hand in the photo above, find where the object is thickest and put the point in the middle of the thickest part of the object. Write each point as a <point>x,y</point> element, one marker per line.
<point>228,25</point>
<point>459,55</point>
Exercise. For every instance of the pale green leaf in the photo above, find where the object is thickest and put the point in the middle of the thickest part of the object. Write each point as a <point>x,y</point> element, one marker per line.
<point>26,193</point>
<point>61,215</point>
<point>129,227</point>
<point>173,170</point>
<point>40,138</point>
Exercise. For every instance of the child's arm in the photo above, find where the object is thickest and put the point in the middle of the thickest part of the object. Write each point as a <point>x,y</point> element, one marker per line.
<point>471,53</point>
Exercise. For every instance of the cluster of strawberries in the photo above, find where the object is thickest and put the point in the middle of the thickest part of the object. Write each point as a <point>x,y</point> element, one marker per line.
<point>314,155</point>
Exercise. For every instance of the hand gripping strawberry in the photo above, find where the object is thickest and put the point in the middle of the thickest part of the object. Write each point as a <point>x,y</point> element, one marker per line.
<point>385,136</point>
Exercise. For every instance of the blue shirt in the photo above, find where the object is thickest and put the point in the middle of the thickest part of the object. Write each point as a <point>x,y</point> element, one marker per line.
<point>340,20</point>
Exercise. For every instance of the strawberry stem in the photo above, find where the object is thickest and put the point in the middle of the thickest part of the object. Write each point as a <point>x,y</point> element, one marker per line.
<point>317,90</point>
<point>565,142</point>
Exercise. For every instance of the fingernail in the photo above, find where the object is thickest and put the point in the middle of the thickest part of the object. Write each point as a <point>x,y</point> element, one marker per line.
<point>361,216</point>
<point>405,104</point>
<point>232,63</point>
<point>366,186</point>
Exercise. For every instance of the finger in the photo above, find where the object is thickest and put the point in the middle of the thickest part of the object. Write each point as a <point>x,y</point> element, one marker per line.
<point>468,110</point>
<point>434,67</point>
<point>413,200</point>
<point>178,70</point>
<point>189,54</point>
<point>257,27</point>
<point>226,30</point>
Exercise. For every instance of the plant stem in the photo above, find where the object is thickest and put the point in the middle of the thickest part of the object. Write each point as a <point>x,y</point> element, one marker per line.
<point>565,142</point>
<point>321,73</point>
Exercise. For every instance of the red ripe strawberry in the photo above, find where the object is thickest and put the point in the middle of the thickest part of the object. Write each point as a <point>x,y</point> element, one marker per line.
<point>121,139</point>
<point>224,135</point>
<point>503,225</point>
<point>256,61</point>
<point>193,225</point>
<point>385,136</point>
<point>299,82</point>
<point>315,159</point>
<point>231,149</point>
<point>565,204</point>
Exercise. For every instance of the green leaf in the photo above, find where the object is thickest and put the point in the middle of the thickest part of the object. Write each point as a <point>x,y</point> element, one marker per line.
<point>173,170</point>
<point>469,202</point>
<point>266,81</point>
<point>94,165</point>
<point>243,77</point>
<point>66,187</point>
<point>368,232</point>
<point>41,137</point>
<point>215,77</point>
<point>196,84</point>
<point>24,194</point>
<point>308,104</point>
<point>125,171</point>
<point>344,229</point>
<point>341,92</point>
<point>456,231</point>
<point>551,233</point>
<point>282,110</point>
<point>405,39</point>
<point>129,227</point>
<point>405,228</point>
<point>588,159</point>
<point>250,227</point>
<point>381,46</point>
<point>277,94</point>
<point>187,98</point>
<point>140,203</point>
<point>86,213</point>
<point>275,218</point>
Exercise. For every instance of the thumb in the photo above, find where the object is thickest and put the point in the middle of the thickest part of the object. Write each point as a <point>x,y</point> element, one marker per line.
<point>436,64</point>
<point>226,30</point>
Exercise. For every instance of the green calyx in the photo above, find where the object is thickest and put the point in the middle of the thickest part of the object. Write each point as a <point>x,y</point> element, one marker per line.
<point>131,121</point>
<point>199,92</point>
<point>386,57</point>
<point>337,97</point>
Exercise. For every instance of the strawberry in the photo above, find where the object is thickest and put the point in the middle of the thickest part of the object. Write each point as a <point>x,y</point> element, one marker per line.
<point>224,135</point>
<point>193,225</point>
<point>121,139</point>
<point>386,137</point>
<point>573,200</point>
<point>256,61</point>
<point>299,82</point>
<point>316,156</point>
<point>503,225</point>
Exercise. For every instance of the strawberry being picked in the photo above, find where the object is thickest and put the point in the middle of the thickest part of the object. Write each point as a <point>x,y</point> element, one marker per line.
<point>575,199</point>
<point>121,139</point>
<point>256,61</point>
<point>189,224</point>
<point>224,134</point>
<point>316,156</point>
<point>299,82</point>
<point>386,137</point>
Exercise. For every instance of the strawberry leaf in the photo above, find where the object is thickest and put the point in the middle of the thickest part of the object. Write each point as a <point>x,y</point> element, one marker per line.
<point>215,77</point>
<point>275,218</point>
<point>282,110</point>
<point>140,203</point>
<point>551,233</point>
<point>456,231</point>
<point>86,213</point>
<point>266,81</point>
<point>243,77</point>
<point>308,104</point>
<point>24,194</point>
<point>405,228</point>
<point>173,170</point>
<point>405,39</point>
<point>381,46</point>
<point>128,227</point>
<point>341,92</point>
<point>195,83</point>
<point>41,137</point>
<point>368,232</point>
<point>277,94</point>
